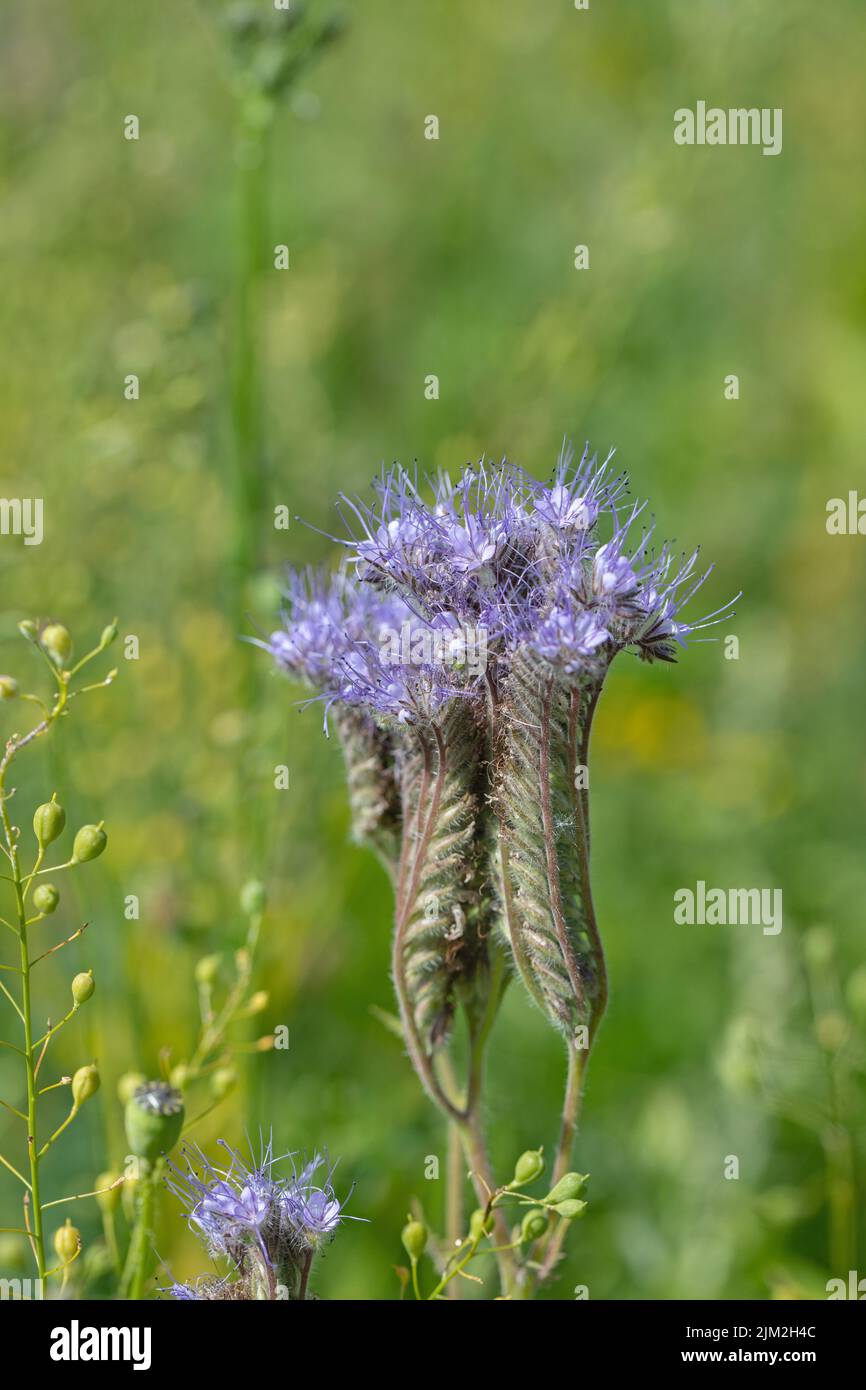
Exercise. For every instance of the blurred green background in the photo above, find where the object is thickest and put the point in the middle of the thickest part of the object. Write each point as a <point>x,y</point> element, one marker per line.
<point>455,257</point>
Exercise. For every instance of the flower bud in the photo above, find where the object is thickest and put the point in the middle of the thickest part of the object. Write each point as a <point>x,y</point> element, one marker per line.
<point>207,969</point>
<point>223,1080</point>
<point>45,898</point>
<point>129,1084</point>
<point>107,1195</point>
<point>258,1001</point>
<point>253,898</point>
<point>9,687</point>
<point>179,1076</point>
<point>569,1186</point>
<point>154,1119</point>
<point>67,1242</point>
<point>83,987</point>
<point>533,1226</point>
<point>108,635</point>
<point>528,1167</point>
<point>85,1083</point>
<point>570,1209</point>
<point>28,629</point>
<point>48,822</point>
<point>414,1238</point>
<point>89,843</point>
<point>57,643</point>
<point>478,1227</point>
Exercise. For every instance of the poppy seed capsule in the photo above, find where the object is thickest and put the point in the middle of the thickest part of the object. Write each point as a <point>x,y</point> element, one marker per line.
<point>9,687</point>
<point>85,1083</point>
<point>528,1167</point>
<point>67,1242</point>
<point>414,1238</point>
<point>154,1119</point>
<point>83,987</point>
<point>48,822</point>
<point>89,843</point>
<point>45,898</point>
<point>57,643</point>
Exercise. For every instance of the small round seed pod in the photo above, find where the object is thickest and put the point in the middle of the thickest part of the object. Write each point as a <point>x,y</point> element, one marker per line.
<point>570,1209</point>
<point>568,1187</point>
<point>28,629</point>
<point>528,1167</point>
<point>48,822</point>
<point>207,969</point>
<point>414,1238</point>
<point>253,898</point>
<point>108,1196</point>
<point>9,687</point>
<point>154,1119</point>
<point>89,843</point>
<point>67,1242</point>
<point>57,643</point>
<point>223,1080</point>
<point>478,1227</point>
<point>83,987</point>
<point>533,1226</point>
<point>45,898</point>
<point>129,1084</point>
<point>85,1083</point>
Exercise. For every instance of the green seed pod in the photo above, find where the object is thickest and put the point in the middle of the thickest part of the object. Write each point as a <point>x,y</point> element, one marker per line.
<point>108,1196</point>
<point>253,898</point>
<point>57,643</point>
<point>67,1241</point>
<point>179,1076</point>
<point>83,987</point>
<point>45,898</point>
<point>569,1186</point>
<point>85,1083</point>
<point>108,635</point>
<point>528,1167</point>
<point>48,822</point>
<point>570,1209</point>
<point>28,629</point>
<point>478,1227</point>
<point>414,1238</point>
<point>89,843</point>
<point>129,1084</point>
<point>9,687</point>
<point>223,1081</point>
<point>154,1119</point>
<point>533,1226</point>
<point>207,969</point>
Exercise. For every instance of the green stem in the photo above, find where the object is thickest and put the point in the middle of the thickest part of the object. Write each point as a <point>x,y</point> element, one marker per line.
<point>138,1258</point>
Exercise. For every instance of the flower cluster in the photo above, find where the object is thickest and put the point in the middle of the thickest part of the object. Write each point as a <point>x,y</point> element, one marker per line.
<point>269,1227</point>
<point>469,776</point>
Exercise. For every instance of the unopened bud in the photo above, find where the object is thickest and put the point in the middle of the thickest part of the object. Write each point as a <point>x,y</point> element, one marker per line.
<point>533,1226</point>
<point>28,629</point>
<point>154,1118</point>
<point>83,987</point>
<point>179,1076</point>
<point>414,1238</point>
<point>258,1001</point>
<point>45,898</point>
<point>67,1242</point>
<point>89,843</point>
<point>85,1083</point>
<point>108,635</point>
<point>528,1167</point>
<point>48,822</point>
<point>9,687</point>
<point>57,643</point>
